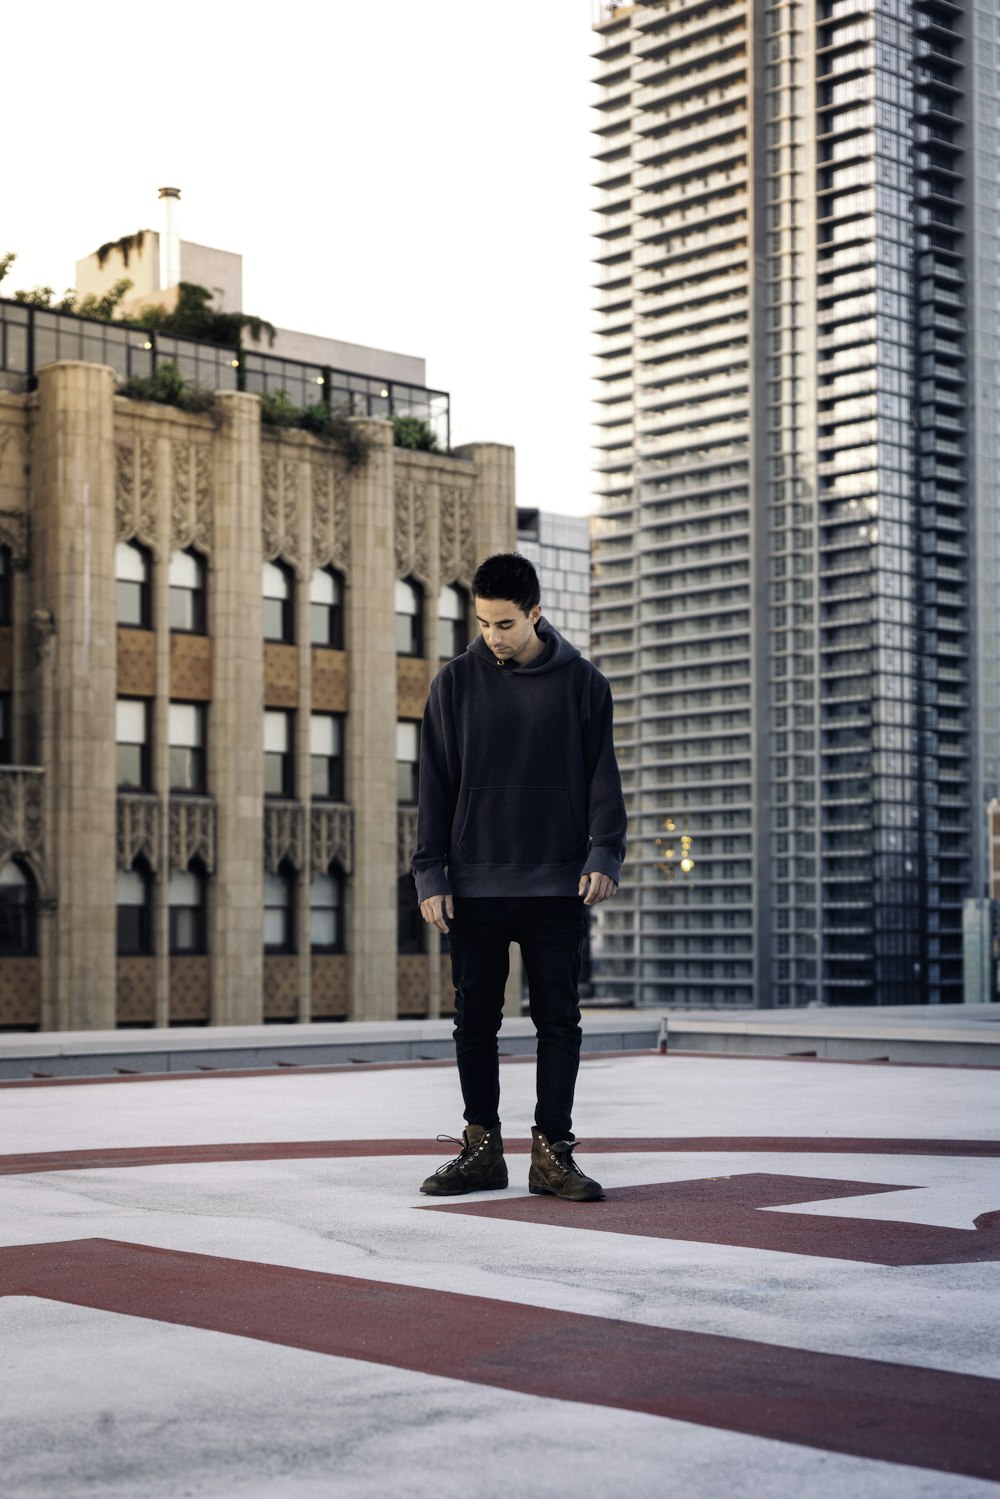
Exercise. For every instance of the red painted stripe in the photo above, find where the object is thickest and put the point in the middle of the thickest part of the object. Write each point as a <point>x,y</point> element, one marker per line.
<point>925,1418</point>
<point>103,1158</point>
<point>726,1210</point>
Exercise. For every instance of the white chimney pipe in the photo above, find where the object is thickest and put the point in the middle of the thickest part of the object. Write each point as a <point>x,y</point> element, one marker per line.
<point>170,240</point>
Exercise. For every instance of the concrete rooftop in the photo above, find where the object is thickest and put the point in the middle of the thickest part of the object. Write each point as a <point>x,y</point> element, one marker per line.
<point>221,1286</point>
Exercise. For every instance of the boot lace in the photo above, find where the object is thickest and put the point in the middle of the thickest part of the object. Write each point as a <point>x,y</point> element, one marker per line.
<point>466,1154</point>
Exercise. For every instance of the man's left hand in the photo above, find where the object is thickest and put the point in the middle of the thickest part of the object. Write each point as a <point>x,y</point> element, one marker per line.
<point>597,887</point>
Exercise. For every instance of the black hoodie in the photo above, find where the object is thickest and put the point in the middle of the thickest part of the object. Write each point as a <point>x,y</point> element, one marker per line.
<point>519,787</point>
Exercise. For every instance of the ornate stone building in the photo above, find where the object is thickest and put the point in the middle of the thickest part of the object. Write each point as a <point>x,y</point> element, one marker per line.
<point>216,640</point>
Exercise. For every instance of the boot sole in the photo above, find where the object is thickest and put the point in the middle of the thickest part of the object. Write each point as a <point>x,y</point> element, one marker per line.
<point>464,1191</point>
<point>548,1192</point>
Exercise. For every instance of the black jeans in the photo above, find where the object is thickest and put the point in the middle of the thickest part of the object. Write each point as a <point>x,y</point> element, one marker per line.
<point>550,933</point>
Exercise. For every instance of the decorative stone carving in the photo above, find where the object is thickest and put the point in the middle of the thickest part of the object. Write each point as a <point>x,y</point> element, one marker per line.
<point>403,530</point>
<point>281,522</point>
<point>135,510</point>
<point>412,531</point>
<point>284,835</point>
<point>406,838</point>
<point>140,826</point>
<point>340,550</point>
<point>14,535</point>
<point>332,839</point>
<point>191,499</point>
<point>192,832</point>
<point>21,825</point>
<point>42,630</point>
<point>457,539</point>
<point>421,534</point>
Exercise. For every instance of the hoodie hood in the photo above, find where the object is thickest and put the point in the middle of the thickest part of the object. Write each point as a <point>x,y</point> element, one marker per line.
<point>556,652</point>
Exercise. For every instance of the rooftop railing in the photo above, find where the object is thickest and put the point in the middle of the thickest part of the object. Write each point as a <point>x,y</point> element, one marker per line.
<point>32,337</point>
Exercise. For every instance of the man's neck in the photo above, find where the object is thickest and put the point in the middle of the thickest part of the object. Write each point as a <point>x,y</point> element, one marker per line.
<point>533,648</point>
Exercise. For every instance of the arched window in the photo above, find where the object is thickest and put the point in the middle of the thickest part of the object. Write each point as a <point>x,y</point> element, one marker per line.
<point>326,911</point>
<point>187,894</point>
<point>326,608</point>
<point>411,929</point>
<point>453,622</point>
<point>132,575</point>
<point>409,618</point>
<point>279,911</point>
<point>6,571</point>
<point>186,579</point>
<point>279,618</point>
<point>18,905</point>
<point>135,912</point>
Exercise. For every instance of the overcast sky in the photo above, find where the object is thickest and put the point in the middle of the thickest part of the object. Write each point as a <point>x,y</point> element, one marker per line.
<point>414,176</point>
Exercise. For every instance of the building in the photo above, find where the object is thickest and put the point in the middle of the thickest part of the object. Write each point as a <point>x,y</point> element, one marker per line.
<point>796,556</point>
<point>216,639</point>
<point>559,548</point>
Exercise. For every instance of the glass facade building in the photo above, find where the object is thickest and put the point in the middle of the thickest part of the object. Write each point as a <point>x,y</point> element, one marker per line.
<point>796,554</point>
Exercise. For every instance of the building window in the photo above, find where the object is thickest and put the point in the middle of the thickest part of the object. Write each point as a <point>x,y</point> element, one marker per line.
<point>17,911</point>
<point>279,911</point>
<point>186,579</point>
<point>132,735</point>
<point>409,618</point>
<point>132,573</point>
<point>326,912</point>
<point>407,756</point>
<point>453,622</point>
<point>6,572</point>
<point>326,609</point>
<point>279,767</point>
<point>411,928</point>
<point>6,730</point>
<point>187,746</point>
<point>326,757</point>
<point>279,620</point>
<point>135,915</point>
<point>186,898</point>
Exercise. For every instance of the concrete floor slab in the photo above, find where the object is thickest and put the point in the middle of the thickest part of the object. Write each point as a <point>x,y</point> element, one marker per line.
<point>124,1378</point>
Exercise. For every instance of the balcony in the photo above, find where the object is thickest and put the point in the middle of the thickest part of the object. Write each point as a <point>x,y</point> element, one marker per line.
<point>31,337</point>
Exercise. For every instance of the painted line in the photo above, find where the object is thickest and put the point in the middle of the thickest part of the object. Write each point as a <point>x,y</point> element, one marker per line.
<point>726,1210</point>
<point>114,1157</point>
<point>924,1418</point>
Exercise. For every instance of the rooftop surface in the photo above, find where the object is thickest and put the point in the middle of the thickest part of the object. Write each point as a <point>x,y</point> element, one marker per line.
<point>230,1286</point>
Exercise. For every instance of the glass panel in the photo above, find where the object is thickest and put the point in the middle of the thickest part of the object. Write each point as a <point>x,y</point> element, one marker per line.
<point>407,598</point>
<point>324,738</point>
<point>183,610</point>
<point>275,928</point>
<point>407,740</point>
<point>186,724</point>
<point>185,571</point>
<point>323,928</point>
<point>130,888</point>
<point>275,581</point>
<point>320,624</point>
<point>130,721</point>
<point>130,563</point>
<point>274,774</point>
<point>131,765</point>
<point>187,768</point>
<point>451,604</point>
<point>323,588</point>
<point>130,607</point>
<point>276,892</point>
<point>276,732</point>
<point>184,889</point>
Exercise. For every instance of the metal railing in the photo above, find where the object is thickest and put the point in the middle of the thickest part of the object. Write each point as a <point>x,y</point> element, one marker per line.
<point>31,337</point>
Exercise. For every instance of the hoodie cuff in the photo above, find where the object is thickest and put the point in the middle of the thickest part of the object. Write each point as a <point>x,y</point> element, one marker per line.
<point>603,860</point>
<point>432,881</point>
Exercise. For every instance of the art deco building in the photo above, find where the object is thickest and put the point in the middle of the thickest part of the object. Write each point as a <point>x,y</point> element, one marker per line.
<point>797,556</point>
<point>216,639</point>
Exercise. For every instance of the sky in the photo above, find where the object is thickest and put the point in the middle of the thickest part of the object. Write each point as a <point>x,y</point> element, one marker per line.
<point>414,176</point>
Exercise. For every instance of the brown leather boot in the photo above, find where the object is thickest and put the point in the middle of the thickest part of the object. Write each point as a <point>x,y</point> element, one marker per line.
<point>554,1172</point>
<point>479,1168</point>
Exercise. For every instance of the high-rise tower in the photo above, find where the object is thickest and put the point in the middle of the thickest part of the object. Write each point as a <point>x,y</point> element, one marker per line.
<point>797,560</point>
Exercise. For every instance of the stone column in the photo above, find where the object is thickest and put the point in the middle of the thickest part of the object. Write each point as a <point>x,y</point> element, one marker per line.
<point>237,753</point>
<point>73,520</point>
<point>303,789</point>
<point>495,513</point>
<point>161,751</point>
<point>371,731</point>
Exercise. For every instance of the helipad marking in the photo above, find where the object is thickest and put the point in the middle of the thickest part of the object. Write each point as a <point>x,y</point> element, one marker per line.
<point>924,1418</point>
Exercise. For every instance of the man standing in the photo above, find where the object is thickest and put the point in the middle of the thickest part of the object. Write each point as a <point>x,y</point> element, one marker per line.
<point>521,826</point>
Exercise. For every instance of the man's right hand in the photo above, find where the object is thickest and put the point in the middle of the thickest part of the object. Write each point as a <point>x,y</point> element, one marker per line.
<point>434,910</point>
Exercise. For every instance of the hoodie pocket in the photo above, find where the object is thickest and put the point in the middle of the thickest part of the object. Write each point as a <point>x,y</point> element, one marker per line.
<point>519,825</point>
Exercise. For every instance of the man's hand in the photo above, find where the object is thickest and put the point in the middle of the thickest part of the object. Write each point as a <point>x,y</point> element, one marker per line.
<point>597,887</point>
<point>434,910</point>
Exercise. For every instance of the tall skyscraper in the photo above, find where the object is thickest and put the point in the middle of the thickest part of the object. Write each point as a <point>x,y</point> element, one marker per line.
<point>797,555</point>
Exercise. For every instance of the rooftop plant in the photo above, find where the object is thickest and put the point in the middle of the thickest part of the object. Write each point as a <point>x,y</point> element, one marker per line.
<point>414,432</point>
<point>168,387</point>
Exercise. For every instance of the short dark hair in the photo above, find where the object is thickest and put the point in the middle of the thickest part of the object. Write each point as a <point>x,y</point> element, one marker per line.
<point>508,575</point>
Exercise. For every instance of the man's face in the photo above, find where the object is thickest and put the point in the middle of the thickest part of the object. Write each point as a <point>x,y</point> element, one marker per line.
<point>507,630</point>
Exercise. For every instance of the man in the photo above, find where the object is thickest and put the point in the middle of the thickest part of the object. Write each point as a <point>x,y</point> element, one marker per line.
<point>521,827</point>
